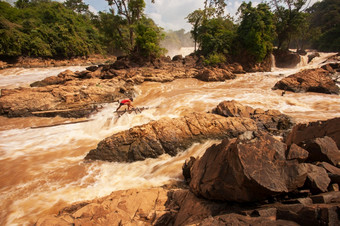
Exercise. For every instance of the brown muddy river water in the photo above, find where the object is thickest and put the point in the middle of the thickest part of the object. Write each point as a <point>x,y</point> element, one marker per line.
<point>42,169</point>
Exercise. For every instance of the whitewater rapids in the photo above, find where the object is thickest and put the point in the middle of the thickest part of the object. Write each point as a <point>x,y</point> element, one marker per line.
<point>42,169</point>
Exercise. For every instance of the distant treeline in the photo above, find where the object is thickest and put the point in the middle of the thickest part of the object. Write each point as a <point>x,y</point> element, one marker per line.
<point>45,28</point>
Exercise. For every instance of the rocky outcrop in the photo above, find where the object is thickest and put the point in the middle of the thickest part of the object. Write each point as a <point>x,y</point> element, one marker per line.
<point>214,74</point>
<point>268,182</point>
<point>168,136</point>
<point>246,170</point>
<point>28,62</point>
<point>272,121</point>
<point>312,80</point>
<point>253,168</point>
<point>176,207</point>
<point>71,99</point>
<point>319,129</point>
<point>286,59</point>
<point>130,207</point>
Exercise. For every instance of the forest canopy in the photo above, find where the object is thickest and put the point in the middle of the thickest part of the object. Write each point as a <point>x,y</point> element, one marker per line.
<point>46,28</point>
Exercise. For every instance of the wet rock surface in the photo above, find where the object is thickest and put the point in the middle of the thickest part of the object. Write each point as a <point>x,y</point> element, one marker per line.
<point>253,178</point>
<point>168,136</point>
<point>272,121</point>
<point>286,59</point>
<point>311,80</point>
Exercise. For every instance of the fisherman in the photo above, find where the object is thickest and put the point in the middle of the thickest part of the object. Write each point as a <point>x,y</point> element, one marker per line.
<point>127,102</point>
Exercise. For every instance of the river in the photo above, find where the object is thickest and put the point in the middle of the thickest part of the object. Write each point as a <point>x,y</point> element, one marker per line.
<point>42,169</point>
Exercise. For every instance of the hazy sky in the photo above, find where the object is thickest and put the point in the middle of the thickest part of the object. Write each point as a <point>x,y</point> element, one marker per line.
<point>170,14</point>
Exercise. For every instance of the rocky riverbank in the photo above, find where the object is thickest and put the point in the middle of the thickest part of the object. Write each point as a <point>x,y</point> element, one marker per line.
<point>29,62</point>
<point>78,94</point>
<point>251,178</point>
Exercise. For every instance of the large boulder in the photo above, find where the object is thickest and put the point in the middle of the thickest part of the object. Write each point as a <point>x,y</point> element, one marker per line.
<point>317,178</point>
<point>214,74</point>
<point>319,129</point>
<point>311,80</point>
<point>322,149</point>
<point>168,136</point>
<point>286,59</point>
<point>271,121</point>
<point>246,170</point>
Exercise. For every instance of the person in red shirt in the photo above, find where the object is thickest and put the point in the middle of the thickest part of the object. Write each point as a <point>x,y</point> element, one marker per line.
<point>127,102</point>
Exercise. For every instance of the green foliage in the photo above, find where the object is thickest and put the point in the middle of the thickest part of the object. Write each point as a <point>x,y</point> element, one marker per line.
<point>325,17</point>
<point>216,36</point>
<point>214,59</point>
<point>289,20</point>
<point>45,29</point>
<point>148,37</point>
<point>77,5</point>
<point>256,31</point>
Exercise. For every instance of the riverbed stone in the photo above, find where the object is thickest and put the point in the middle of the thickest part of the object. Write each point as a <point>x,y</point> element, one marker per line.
<point>272,121</point>
<point>307,131</point>
<point>168,136</point>
<point>310,80</point>
<point>246,171</point>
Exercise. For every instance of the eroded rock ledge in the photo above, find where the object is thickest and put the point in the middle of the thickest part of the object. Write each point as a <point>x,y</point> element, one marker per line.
<point>311,80</point>
<point>168,136</point>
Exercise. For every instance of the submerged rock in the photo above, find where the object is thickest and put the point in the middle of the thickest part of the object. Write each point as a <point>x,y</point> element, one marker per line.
<point>311,80</point>
<point>168,136</point>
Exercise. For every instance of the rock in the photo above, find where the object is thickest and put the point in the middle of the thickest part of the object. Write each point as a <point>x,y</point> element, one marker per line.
<point>333,187</point>
<point>312,56</point>
<point>214,74</point>
<point>322,149</point>
<point>329,168</point>
<point>237,219</point>
<point>286,59</point>
<point>245,171</point>
<point>328,68</point>
<point>296,152</point>
<point>307,131</point>
<point>188,208</point>
<point>311,80</point>
<point>235,68</point>
<point>168,136</point>
<point>333,172</point>
<point>186,169</point>
<point>329,197</point>
<point>317,178</point>
<point>271,120</point>
<point>177,58</point>
<point>72,99</point>
<point>309,214</point>
<point>130,207</point>
<point>233,109</point>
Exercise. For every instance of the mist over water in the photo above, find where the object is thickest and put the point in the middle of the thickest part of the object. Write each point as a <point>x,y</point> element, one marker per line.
<point>42,169</point>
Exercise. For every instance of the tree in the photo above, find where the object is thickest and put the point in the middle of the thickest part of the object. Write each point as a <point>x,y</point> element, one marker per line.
<point>256,31</point>
<point>195,19</point>
<point>288,20</point>
<point>217,5</point>
<point>77,5</point>
<point>131,12</point>
<point>325,18</point>
<point>45,29</point>
<point>148,37</point>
